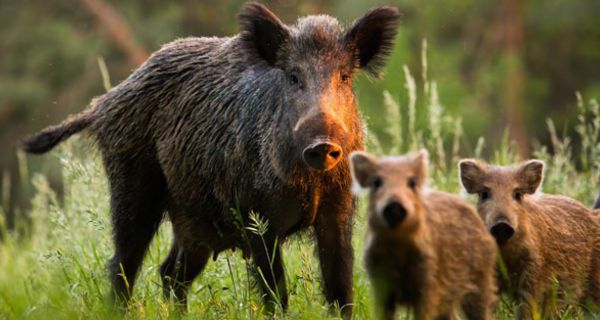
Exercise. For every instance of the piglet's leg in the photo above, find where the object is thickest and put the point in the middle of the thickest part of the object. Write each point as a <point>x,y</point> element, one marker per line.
<point>530,296</point>
<point>385,300</point>
<point>333,229</point>
<point>593,293</point>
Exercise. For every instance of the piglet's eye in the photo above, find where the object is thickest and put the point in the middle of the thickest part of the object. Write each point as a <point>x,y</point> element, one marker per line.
<point>518,195</point>
<point>377,183</point>
<point>345,78</point>
<point>484,194</point>
<point>412,183</point>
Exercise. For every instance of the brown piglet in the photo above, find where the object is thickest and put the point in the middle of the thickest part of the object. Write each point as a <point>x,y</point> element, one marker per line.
<point>425,249</point>
<point>549,243</point>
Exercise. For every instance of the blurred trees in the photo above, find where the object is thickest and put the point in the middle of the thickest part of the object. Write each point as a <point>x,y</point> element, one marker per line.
<point>117,29</point>
<point>500,63</point>
<point>496,63</point>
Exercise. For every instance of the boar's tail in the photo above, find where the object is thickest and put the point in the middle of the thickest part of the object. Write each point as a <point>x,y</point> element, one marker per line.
<point>46,139</point>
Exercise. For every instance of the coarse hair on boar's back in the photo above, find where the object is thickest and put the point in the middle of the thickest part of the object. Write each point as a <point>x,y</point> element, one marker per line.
<point>261,121</point>
<point>425,249</point>
<point>543,239</point>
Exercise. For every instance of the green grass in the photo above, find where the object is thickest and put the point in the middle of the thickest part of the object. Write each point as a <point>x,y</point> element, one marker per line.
<point>55,266</point>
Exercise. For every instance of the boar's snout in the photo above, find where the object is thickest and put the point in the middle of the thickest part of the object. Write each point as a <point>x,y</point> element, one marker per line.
<point>394,213</point>
<point>322,155</point>
<point>501,230</point>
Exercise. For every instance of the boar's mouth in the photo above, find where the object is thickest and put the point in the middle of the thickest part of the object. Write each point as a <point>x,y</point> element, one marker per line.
<point>502,231</point>
<point>322,155</point>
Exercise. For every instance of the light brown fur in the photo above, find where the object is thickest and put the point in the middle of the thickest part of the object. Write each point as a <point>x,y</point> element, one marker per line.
<point>555,238</point>
<point>437,259</point>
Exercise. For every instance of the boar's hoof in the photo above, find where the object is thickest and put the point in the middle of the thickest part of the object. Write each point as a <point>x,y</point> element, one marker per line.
<point>502,231</point>
<point>394,213</point>
<point>322,156</point>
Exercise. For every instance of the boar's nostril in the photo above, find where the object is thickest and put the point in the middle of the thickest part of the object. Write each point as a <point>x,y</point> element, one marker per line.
<point>502,231</point>
<point>313,154</point>
<point>335,154</point>
<point>394,213</point>
<point>322,155</point>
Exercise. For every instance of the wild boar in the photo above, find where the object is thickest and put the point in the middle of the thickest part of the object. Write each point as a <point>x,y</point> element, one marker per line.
<point>425,249</point>
<point>261,121</point>
<point>543,239</point>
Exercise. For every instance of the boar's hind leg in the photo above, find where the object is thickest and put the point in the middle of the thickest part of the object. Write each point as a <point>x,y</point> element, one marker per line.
<point>137,204</point>
<point>333,229</point>
<point>180,268</point>
<point>266,254</point>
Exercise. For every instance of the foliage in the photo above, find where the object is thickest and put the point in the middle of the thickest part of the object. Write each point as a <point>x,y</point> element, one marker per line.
<point>50,51</point>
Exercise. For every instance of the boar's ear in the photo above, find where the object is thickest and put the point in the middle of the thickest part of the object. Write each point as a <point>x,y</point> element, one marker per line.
<point>471,174</point>
<point>262,31</point>
<point>363,166</point>
<point>371,38</point>
<point>530,175</point>
<point>421,166</point>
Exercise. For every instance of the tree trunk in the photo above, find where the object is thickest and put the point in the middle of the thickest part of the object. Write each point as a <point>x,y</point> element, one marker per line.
<point>512,27</point>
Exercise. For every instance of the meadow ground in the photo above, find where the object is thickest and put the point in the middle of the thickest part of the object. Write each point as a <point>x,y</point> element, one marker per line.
<point>54,266</point>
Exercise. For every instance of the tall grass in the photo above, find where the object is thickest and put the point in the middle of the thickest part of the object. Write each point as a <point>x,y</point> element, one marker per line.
<point>56,267</point>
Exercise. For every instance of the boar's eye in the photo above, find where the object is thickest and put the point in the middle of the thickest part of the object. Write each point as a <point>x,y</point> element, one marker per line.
<point>377,183</point>
<point>412,183</point>
<point>294,79</point>
<point>345,78</point>
<point>484,194</point>
<point>518,195</point>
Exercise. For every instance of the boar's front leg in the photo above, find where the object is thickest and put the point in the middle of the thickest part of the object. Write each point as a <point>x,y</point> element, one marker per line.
<point>270,272</point>
<point>333,229</point>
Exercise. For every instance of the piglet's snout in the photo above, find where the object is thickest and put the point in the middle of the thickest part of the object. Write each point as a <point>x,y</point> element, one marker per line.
<point>393,213</point>
<point>502,231</point>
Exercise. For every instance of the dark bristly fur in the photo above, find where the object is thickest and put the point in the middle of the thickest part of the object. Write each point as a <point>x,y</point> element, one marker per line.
<point>210,124</point>
<point>550,244</point>
<point>425,249</point>
<point>365,28</point>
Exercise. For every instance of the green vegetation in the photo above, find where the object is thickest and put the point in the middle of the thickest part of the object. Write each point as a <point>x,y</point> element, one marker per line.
<point>53,266</point>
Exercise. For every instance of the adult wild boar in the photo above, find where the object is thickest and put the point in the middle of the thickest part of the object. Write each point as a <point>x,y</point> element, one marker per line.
<point>262,121</point>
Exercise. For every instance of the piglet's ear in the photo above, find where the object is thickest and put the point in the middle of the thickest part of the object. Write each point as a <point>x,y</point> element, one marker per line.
<point>530,175</point>
<point>421,166</point>
<point>371,38</point>
<point>364,167</point>
<point>262,31</point>
<point>471,173</point>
